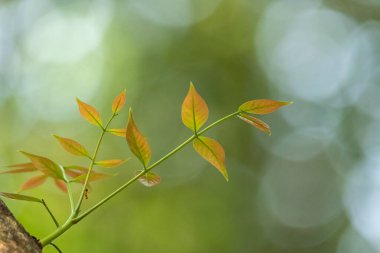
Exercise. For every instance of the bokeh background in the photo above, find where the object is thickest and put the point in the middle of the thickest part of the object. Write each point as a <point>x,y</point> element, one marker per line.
<point>313,186</point>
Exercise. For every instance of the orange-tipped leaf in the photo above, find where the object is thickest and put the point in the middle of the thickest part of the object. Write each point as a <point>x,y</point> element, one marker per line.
<point>119,102</point>
<point>19,168</point>
<point>137,143</point>
<point>259,124</point>
<point>194,110</point>
<point>73,147</point>
<point>110,163</point>
<point>118,131</point>
<point>262,106</point>
<point>89,113</point>
<point>45,165</point>
<point>61,185</point>
<point>33,182</point>
<point>213,152</point>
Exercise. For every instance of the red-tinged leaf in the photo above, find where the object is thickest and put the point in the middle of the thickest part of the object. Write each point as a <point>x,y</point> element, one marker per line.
<point>194,110</point>
<point>45,165</point>
<point>89,113</point>
<point>79,174</point>
<point>262,106</point>
<point>72,146</point>
<point>149,179</point>
<point>137,142</point>
<point>19,168</point>
<point>118,132</point>
<point>259,124</point>
<point>119,102</point>
<point>61,185</point>
<point>20,197</point>
<point>213,152</point>
<point>33,182</point>
<point>110,163</point>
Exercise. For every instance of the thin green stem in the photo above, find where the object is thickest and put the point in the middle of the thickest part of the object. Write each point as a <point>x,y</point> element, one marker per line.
<point>50,213</point>
<point>147,169</point>
<point>71,198</point>
<point>93,160</point>
<point>75,217</point>
<point>56,247</point>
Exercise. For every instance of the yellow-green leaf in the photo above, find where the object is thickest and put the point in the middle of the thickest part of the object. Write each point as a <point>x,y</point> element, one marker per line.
<point>79,174</point>
<point>20,197</point>
<point>149,179</point>
<point>194,110</point>
<point>137,142</point>
<point>89,113</point>
<point>19,168</point>
<point>259,124</point>
<point>118,131</point>
<point>72,146</point>
<point>213,152</point>
<point>119,102</point>
<point>110,163</point>
<point>262,106</point>
<point>45,165</point>
<point>33,182</point>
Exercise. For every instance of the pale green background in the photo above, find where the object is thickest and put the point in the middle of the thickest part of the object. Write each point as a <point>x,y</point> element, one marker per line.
<point>311,187</point>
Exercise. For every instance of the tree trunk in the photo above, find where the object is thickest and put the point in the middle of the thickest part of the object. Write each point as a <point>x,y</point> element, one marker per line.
<point>13,236</point>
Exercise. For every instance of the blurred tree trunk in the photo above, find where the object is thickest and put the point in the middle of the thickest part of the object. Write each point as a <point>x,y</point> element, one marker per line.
<point>13,236</point>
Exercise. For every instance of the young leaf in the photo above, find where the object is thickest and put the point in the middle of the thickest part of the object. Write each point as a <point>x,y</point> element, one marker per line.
<point>79,174</point>
<point>20,197</point>
<point>118,132</point>
<point>194,110</point>
<point>119,102</point>
<point>61,185</point>
<point>33,182</point>
<point>213,152</point>
<point>110,163</point>
<point>45,165</point>
<point>259,124</point>
<point>19,168</point>
<point>262,106</point>
<point>137,142</point>
<point>149,179</point>
<point>72,146</point>
<point>89,113</point>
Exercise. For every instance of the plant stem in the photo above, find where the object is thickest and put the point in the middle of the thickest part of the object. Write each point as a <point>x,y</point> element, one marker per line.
<point>50,213</point>
<point>75,217</point>
<point>93,160</point>
<point>147,169</point>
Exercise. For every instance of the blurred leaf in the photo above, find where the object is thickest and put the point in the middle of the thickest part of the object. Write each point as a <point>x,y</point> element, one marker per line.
<point>118,132</point>
<point>137,142</point>
<point>213,152</point>
<point>259,124</point>
<point>110,163</point>
<point>149,179</point>
<point>194,110</point>
<point>119,102</point>
<point>72,146</point>
<point>20,197</point>
<point>79,174</point>
<point>262,106</point>
<point>61,185</point>
<point>89,113</point>
<point>45,165</point>
<point>19,168</point>
<point>33,182</point>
